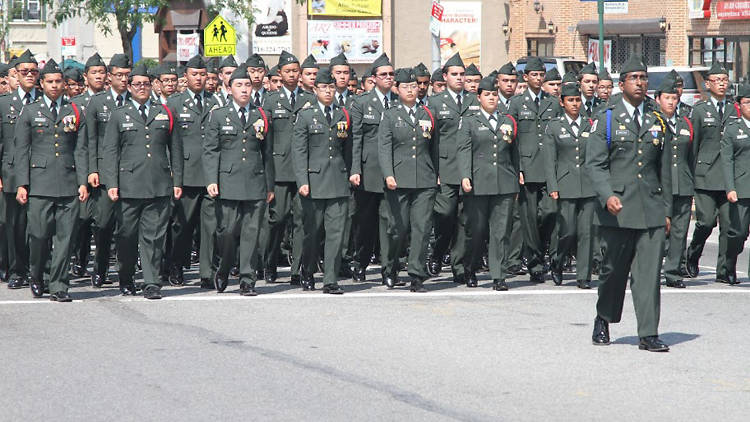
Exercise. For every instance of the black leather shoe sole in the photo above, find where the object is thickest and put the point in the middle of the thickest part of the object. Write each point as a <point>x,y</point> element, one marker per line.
<point>220,283</point>
<point>60,297</point>
<point>334,289</point>
<point>584,284</point>
<point>206,283</point>
<point>676,284</point>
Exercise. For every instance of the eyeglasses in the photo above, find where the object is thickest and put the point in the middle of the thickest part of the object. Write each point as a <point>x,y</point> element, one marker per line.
<point>168,81</point>
<point>635,78</point>
<point>408,87</point>
<point>384,75</point>
<point>719,80</point>
<point>120,75</point>
<point>25,72</point>
<point>141,85</point>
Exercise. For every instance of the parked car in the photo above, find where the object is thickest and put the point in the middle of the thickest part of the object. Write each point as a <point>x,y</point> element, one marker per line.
<point>694,87</point>
<point>563,64</point>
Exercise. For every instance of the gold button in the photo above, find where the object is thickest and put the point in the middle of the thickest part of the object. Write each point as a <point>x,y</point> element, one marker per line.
<point>576,148</point>
<point>494,154</point>
<point>576,157</point>
<point>413,156</point>
<point>57,154</point>
<point>57,136</point>
<point>56,144</point>
<point>675,164</point>
<point>148,146</point>
<point>243,149</point>
<point>330,157</point>
<point>494,145</point>
<point>494,163</point>
<point>494,137</point>
<point>640,164</point>
<point>244,132</point>
<point>675,147</point>
<point>147,136</point>
<point>414,138</point>
<point>243,158</point>
<point>56,126</point>
<point>331,138</point>
<point>244,141</point>
<point>414,147</point>
<point>578,165</point>
<point>148,155</point>
<point>640,151</point>
<point>675,156</point>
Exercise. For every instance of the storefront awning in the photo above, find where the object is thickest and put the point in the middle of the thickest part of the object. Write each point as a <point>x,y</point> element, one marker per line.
<point>185,19</point>
<point>621,27</point>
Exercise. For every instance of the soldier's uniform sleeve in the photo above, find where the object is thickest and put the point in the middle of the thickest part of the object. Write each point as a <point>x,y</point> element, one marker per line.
<point>550,157</point>
<point>268,162</point>
<point>385,147</point>
<point>513,113</point>
<point>22,142</point>
<point>435,136</point>
<point>93,138</point>
<point>356,113</point>
<point>111,153</point>
<point>666,175</point>
<point>211,150</point>
<point>597,160</point>
<point>81,155</point>
<point>176,157</point>
<point>727,158</point>
<point>696,120</point>
<point>463,148</point>
<point>299,150</point>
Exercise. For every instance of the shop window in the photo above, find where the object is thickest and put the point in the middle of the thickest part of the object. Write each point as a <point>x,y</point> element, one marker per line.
<point>26,10</point>
<point>652,49</point>
<point>540,47</point>
<point>732,52</point>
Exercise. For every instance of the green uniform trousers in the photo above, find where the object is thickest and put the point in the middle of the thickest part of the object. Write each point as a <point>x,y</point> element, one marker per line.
<point>739,218</point>
<point>450,228</point>
<point>4,262</point>
<point>104,224</point>
<point>709,205</point>
<point>488,218</point>
<point>15,230</point>
<point>370,219</point>
<point>677,237</point>
<point>185,218</point>
<point>515,246</point>
<point>207,255</point>
<point>239,224</point>
<point>285,208</point>
<point>575,219</point>
<point>52,222</point>
<point>324,216</point>
<point>409,209</point>
<point>638,254</point>
<point>141,226</point>
<point>537,221</point>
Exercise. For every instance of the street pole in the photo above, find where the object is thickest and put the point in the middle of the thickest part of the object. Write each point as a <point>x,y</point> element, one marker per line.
<point>435,51</point>
<point>600,9</point>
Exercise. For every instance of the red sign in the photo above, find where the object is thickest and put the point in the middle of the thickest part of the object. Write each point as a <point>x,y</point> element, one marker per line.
<point>437,11</point>
<point>733,9</point>
<point>68,41</point>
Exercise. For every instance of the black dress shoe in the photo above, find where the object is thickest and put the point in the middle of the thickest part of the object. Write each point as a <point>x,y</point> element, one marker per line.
<point>60,297</point>
<point>471,281</point>
<point>270,275</point>
<point>732,278</point>
<point>18,283</point>
<point>308,283</point>
<point>595,266</point>
<point>359,274</point>
<point>417,286</point>
<point>3,276</point>
<point>691,265</point>
<point>333,289</point>
<point>128,289</point>
<point>37,288</point>
<point>652,344</point>
<point>207,283</point>
<point>537,277</point>
<point>557,277</point>
<point>176,277</point>
<point>194,257</point>
<point>601,332</point>
<point>78,271</point>
<point>434,266</point>
<point>96,281</point>
<point>677,284</point>
<point>295,280</point>
<point>152,292</point>
<point>390,281</point>
<point>499,285</point>
<point>247,289</point>
<point>584,284</point>
<point>234,272</point>
<point>459,278</point>
<point>345,271</point>
<point>514,270</point>
<point>220,283</point>
<point>683,272</point>
<point>722,279</point>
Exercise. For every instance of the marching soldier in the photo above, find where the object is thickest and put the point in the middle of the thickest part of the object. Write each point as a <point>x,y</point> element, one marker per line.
<point>372,213</point>
<point>286,208</point>
<point>683,110</point>
<point>448,108</point>
<point>142,170</point>
<point>256,68</point>
<point>51,174</point>
<point>588,79</point>
<point>320,135</point>
<point>98,114</point>
<point>438,82</point>
<point>423,82</point>
<point>212,75</point>
<point>27,72</point>
<point>73,82</point>
<point>407,155</point>
<point>552,83</point>
<point>4,85</point>
<point>569,184</point>
<point>488,162</point>
<point>309,71</point>
<point>605,86</point>
<point>190,111</point>
<point>340,71</point>
<point>709,118</point>
<point>226,68</point>
<point>679,145</point>
<point>239,173</point>
<point>472,77</point>
<point>735,157</point>
<point>630,173</point>
<point>168,80</point>
<point>274,79</point>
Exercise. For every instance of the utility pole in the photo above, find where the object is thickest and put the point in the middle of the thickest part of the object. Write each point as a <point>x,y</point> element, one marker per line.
<point>600,9</point>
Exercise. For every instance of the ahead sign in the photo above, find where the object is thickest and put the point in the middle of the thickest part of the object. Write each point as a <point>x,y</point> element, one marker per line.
<point>219,38</point>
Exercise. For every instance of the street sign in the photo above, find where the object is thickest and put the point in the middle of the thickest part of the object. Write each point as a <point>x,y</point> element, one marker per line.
<point>436,19</point>
<point>616,8</point>
<point>219,38</point>
<point>67,46</point>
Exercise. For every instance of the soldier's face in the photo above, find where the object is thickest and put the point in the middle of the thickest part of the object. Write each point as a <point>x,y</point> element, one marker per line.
<point>168,84</point>
<point>118,79</point>
<point>352,85</point>
<point>256,76</point>
<point>28,74</point>
<point>274,83</point>
<point>140,88</point>
<point>196,79</point>
<point>368,84</point>
<point>407,92</point>
<point>423,83</point>
<point>588,85</point>
<point>488,100</point>
<point>534,79</point>
<point>571,105</point>
<point>717,85</point>
<point>308,77</point>
<point>552,88</point>
<point>668,103</point>
<point>290,75</point>
<point>4,87</point>
<point>95,77</point>
<point>212,81</point>
<point>240,90</point>
<point>471,83</point>
<point>745,107</point>
<point>438,87</point>
<point>678,87</point>
<point>341,75</point>
<point>12,79</point>
<point>156,87</point>
<point>634,86</point>
<point>507,85</point>
<point>454,78</point>
<point>72,88</point>
<point>226,73</point>
<point>384,78</point>
<point>53,85</point>
<point>324,92</point>
<point>604,89</point>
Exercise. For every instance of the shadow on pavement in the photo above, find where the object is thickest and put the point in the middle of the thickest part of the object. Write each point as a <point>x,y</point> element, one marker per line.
<point>670,338</point>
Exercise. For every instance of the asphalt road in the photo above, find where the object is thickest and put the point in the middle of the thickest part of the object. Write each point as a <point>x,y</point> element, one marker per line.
<point>450,354</point>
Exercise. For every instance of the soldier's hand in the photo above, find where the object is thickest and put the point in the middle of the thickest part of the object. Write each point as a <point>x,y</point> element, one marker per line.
<point>520,179</point>
<point>22,196</point>
<point>269,197</point>
<point>614,205</point>
<point>304,190</point>
<point>83,193</point>
<point>668,226</point>
<point>732,196</point>
<point>94,180</point>
<point>213,190</point>
<point>438,180</point>
<point>114,194</point>
<point>466,184</point>
<point>390,181</point>
<point>354,179</point>
<point>1,185</point>
<point>177,192</point>
<point>554,195</point>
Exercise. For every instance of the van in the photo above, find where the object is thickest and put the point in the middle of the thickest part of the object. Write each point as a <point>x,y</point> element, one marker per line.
<point>694,87</point>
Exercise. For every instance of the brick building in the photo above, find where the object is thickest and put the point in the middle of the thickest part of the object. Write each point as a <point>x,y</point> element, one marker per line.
<point>665,32</point>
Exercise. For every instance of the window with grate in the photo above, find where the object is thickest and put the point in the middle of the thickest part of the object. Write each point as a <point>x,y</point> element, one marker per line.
<point>652,49</point>
<point>540,47</point>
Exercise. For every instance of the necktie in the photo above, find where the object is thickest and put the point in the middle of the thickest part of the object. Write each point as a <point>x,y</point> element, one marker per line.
<point>257,99</point>
<point>142,109</point>
<point>574,126</point>
<point>53,110</point>
<point>27,98</point>
<point>637,119</point>
<point>536,101</point>
<point>459,103</point>
<point>421,103</point>
<point>292,100</point>
<point>243,118</point>
<point>411,115</point>
<point>119,101</point>
<point>199,103</point>
<point>385,102</point>
<point>588,107</point>
<point>672,127</point>
<point>328,114</point>
<point>493,121</point>
<point>341,100</point>
<point>720,106</point>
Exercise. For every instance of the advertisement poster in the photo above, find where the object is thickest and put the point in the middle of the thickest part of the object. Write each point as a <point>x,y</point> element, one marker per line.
<point>188,45</point>
<point>461,31</point>
<point>361,41</point>
<point>593,55</point>
<point>272,30</point>
<point>358,8</point>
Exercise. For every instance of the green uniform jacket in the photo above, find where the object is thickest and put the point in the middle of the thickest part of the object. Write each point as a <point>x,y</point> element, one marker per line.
<point>318,153</point>
<point>735,156</point>
<point>565,155</point>
<point>634,168</point>
<point>50,154</point>
<point>137,156</point>
<point>707,130</point>
<point>82,101</point>
<point>684,110</point>
<point>98,113</point>
<point>367,112</point>
<point>236,158</point>
<point>531,123</point>
<point>488,157</point>
<point>189,130</point>
<point>447,117</point>
<point>282,116</point>
<point>403,150</point>
<point>680,146</point>
<point>10,107</point>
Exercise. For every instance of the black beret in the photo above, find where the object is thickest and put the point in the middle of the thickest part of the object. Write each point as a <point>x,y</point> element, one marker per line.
<point>239,73</point>
<point>437,76</point>
<point>570,90</point>
<point>228,61</point>
<point>139,70</point>
<point>534,64</point>
<point>310,63</point>
<point>552,75</point>
<point>95,60</point>
<point>73,73</point>
<point>589,69</point>
<point>287,58</point>
<point>119,60</point>
<point>380,61</point>
<point>26,57</point>
<point>196,62</point>
<point>743,91</point>
<point>471,70</point>
<point>255,61</point>
<point>507,69</point>
<point>455,60</point>
<point>339,60</point>
<point>634,64</point>
<point>50,67</point>
<point>324,76</point>
<point>487,84</point>
<point>405,75</point>
<point>717,69</point>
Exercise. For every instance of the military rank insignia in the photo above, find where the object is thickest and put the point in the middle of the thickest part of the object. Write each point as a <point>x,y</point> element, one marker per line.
<point>259,127</point>
<point>426,127</point>
<point>341,128</point>
<point>507,132</point>
<point>69,123</point>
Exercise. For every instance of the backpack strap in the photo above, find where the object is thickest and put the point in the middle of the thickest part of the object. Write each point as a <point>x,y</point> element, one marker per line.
<point>515,126</point>
<point>171,120</point>
<point>690,126</point>
<point>77,113</point>
<point>265,119</point>
<point>348,119</point>
<point>609,127</point>
<point>432,119</point>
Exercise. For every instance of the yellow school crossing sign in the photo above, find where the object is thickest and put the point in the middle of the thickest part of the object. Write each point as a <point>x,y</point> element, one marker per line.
<point>219,38</point>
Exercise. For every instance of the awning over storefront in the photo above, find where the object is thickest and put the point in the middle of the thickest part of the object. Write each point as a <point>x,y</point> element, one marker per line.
<point>185,19</point>
<point>621,27</point>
